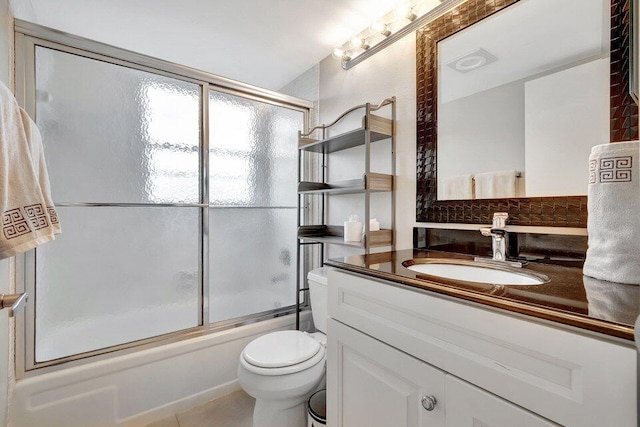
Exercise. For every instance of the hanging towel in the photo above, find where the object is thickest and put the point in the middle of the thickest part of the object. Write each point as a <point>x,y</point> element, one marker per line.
<point>34,139</point>
<point>28,216</point>
<point>613,204</point>
<point>459,187</point>
<point>495,185</point>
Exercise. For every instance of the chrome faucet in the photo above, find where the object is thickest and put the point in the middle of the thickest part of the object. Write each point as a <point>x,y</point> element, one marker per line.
<point>498,235</point>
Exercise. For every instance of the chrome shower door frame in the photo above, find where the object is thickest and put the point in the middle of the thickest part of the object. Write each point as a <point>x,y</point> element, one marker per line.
<point>27,37</point>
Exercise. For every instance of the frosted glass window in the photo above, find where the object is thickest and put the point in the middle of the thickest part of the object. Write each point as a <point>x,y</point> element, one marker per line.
<point>253,152</point>
<point>116,134</point>
<point>116,275</point>
<point>253,206</point>
<point>252,259</point>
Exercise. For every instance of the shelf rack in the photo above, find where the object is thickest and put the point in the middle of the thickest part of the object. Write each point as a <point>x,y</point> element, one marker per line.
<point>374,128</point>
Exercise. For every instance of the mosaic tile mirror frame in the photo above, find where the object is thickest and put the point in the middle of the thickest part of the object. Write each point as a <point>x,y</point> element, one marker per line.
<point>568,211</point>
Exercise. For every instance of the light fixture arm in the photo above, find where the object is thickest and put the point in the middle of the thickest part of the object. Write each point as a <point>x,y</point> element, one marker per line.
<point>439,10</point>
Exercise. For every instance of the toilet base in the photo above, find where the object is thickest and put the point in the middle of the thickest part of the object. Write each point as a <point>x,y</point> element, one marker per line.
<point>286,412</point>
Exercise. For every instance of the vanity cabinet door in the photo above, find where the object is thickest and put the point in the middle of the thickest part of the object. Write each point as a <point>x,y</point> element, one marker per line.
<point>372,384</point>
<point>470,406</point>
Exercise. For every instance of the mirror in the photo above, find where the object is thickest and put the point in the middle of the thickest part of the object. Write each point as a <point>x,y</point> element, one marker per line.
<point>523,95</point>
<point>558,208</point>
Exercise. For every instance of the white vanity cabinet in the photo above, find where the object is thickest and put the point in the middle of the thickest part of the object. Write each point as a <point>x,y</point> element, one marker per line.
<point>391,346</point>
<point>470,406</point>
<point>380,386</point>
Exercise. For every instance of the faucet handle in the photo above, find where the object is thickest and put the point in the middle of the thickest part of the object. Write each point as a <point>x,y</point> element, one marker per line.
<point>492,232</point>
<point>500,219</point>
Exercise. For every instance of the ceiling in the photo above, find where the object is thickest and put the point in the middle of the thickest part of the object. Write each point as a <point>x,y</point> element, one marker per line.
<point>266,43</point>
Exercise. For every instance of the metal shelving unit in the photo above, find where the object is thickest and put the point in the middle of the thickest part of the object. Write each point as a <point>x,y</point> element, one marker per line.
<point>374,128</point>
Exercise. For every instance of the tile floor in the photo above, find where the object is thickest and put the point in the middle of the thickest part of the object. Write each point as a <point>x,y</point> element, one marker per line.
<point>233,410</point>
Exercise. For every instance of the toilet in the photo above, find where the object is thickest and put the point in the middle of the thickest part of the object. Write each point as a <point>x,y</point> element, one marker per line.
<point>282,369</point>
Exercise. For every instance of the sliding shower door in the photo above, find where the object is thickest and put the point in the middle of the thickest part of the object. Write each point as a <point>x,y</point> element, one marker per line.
<point>177,203</point>
<point>122,149</point>
<point>252,206</point>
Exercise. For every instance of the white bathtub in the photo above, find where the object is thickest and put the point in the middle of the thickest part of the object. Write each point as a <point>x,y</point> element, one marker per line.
<point>138,388</point>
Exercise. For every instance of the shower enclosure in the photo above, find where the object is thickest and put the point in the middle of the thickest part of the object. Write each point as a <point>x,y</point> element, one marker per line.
<point>176,192</point>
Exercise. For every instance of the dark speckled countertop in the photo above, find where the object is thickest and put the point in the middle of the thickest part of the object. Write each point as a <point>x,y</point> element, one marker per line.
<point>569,298</point>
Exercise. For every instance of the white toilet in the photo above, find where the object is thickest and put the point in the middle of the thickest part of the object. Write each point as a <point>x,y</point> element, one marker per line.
<point>282,369</point>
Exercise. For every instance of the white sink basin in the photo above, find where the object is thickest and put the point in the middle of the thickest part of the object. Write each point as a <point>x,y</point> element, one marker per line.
<point>475,272</point>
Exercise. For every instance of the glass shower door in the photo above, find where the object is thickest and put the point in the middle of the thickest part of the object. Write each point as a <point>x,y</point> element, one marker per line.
<point>252,206</point>
<point>160,237</point>
<point>123,152</point>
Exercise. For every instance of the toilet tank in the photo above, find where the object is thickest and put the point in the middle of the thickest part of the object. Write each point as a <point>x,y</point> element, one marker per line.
<point>317,280</point>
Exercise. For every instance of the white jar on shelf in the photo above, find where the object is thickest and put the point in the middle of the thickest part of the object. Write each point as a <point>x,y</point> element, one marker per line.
<point>353,229</point>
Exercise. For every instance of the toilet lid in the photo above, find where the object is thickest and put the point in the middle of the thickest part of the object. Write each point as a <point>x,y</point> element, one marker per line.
<point>280,349</point>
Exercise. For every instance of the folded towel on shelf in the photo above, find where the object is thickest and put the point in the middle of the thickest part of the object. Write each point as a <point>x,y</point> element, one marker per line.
<point>459,187</point>
<point>28,215</point>
<point>496,185</point>
<point>613,205</point>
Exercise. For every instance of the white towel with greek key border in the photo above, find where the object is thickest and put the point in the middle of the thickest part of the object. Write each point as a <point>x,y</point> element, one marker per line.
<point>614,213</point>
<point>28,216</point>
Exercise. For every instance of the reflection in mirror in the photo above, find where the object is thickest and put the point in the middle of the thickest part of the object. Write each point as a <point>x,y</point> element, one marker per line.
<point>523,95</point>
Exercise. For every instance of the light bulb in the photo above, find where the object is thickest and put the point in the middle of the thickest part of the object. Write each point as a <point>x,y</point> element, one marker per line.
<point>381,27</point>
<point>342,54</point>
<point>359,43</point>
<point>405,11</point>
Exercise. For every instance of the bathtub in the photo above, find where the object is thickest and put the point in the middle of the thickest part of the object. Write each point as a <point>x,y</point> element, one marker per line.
<point>138,388</point>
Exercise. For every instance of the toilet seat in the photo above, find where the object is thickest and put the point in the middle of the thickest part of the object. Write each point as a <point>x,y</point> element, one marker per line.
<point>281,353</point>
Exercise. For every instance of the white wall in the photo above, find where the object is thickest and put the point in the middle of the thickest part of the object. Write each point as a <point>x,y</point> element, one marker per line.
<point>6,44</point>
<point>304,86</point>
<point>6,76</point>
<point>388,73</point>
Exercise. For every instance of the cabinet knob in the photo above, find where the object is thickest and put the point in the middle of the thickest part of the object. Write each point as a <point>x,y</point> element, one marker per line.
<point>429,402</point>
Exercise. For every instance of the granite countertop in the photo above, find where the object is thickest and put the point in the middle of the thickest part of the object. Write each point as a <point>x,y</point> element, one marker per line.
<point>569,298</point>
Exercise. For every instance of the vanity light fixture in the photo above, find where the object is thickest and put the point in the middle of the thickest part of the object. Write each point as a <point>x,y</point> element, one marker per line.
<point>394,25</point>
